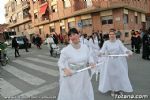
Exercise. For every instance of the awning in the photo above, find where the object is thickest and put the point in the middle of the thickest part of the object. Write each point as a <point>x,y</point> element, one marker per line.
<point>43,9</point>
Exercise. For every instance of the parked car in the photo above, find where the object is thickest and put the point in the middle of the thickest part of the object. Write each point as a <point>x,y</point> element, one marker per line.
<point>19,39</point>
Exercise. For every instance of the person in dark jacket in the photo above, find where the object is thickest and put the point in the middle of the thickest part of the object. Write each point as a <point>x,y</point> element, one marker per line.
<point>26,43</point>
<point>38,41</point>
<point>16,46</point>
<point>146,46</point>
<point>138,42</point>
<point>133,40</point>
<point>55,37</point>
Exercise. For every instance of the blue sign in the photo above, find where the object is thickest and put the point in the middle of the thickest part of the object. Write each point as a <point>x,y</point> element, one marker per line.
<point>80,24</point>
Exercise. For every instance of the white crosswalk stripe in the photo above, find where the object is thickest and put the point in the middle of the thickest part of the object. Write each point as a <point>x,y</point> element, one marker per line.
<point>40,90</point>
<point>38,68</point>
<point>7,89</point>
<point>42,61</point>
<point>48,57</point>
<point>30,63</point>
<point>33,80</point>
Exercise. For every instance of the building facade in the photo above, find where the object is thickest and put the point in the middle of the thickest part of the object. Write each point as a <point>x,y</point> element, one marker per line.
<point>3,28</point>
<point>86,15</point>
<point>18,17</point>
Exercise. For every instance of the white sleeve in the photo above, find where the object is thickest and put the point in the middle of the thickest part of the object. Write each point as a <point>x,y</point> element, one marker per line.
<point>123,48</point>
<point>63,60</point>
<point>47,40</point>
<point>90,43</point>
<point>90,56</point>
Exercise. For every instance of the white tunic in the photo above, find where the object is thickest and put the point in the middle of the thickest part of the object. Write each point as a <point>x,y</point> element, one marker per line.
<point>85,41</point>
<point>77,86</point>
<point>49,41</point>
<point>94,47</point>
<point>114,73</point>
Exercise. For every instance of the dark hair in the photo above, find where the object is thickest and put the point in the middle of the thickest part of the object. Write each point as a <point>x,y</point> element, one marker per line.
<point>73,30</point>
<point>112,30</point>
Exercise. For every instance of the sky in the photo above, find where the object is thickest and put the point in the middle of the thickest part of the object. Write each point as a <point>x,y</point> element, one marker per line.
<point>2,12</point>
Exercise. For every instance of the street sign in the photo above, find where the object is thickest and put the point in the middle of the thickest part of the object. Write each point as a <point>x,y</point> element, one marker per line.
<point>80,24</point>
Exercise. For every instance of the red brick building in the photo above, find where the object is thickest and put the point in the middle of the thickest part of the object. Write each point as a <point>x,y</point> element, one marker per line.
<point>3,28</point>
<point>87,15</point>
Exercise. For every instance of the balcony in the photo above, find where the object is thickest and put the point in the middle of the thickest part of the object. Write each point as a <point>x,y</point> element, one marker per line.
<point>6,14</point>
<point>42,2</point>
<point>43,20</point>
<point>19,22</point>
<point>25,4</point>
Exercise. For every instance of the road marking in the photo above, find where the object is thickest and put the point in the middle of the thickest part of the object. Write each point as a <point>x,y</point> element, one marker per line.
<point>38,68</point>
<point>48,57</point>
<point>42,61</point>
<point>8,90</point>
<point>33,80</point>
<point>40,90</point>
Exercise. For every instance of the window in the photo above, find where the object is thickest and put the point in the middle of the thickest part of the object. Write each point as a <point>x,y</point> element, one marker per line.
<point>126,34</point>
<point>71,25</point>
<point>62,29</point>
<point>29,25</point>
<point>107,20</point>
<point>52,29</point>
<point>13,6</point>
<point>54,8</point>
<point>19,15</point>
<point>40,31</point>
<point>34,1</point>
<point>88,3</point>
<point>18,2</point>
<point>24,26</point>
<point>18,28</point>
<point>25,13</point>
<point>35,15</point>
<point>126,20</point>
<point>43,1</point>
<point>45,16</point>
<point>86,22</point>
<point>66,3</point>
<point>9,8</point>
<point>136,19</point>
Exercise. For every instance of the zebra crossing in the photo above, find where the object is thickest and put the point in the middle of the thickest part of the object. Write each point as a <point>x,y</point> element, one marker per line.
<point>42,64</point>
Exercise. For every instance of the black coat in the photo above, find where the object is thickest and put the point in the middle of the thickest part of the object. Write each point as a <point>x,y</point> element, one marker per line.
<point>14,43</point>
<point>146,45</point>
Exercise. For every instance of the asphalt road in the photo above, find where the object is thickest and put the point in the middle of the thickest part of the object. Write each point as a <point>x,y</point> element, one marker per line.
<point>35,74</point>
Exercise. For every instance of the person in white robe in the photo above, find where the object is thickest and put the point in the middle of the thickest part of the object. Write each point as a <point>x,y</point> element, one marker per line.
<point>49,42</point>
<point>114,73</point>
<point>94,46</point>
<point>74,57</point>
<point>84,40</point>
<point>94,49</point>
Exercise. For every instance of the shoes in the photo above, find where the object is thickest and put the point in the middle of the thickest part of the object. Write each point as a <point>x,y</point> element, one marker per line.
<point>17,56</point>
<point>146,58</point>
<point>120,93</point>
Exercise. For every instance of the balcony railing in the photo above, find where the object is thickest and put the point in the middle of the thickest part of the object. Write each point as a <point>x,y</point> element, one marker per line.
<point>26,4</point>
